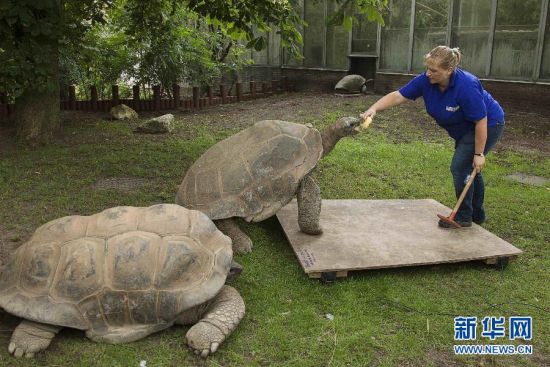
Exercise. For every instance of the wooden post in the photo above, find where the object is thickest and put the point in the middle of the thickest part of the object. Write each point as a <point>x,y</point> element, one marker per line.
<point>115,97</point>
<point>239,87</point>
<point>196,96</point>
<point>176,95</point>
<point>93,100</point>
<point>10,109</point>
<point>223,92</point>
<point>3,105</point>
<point>253,89</point>
<point>156,97</point>
<point>210,95</point>
<point>284,83</point>
<point>135,98</point>
<point>135,92</point>
<point>265,89</point>
<point>72,97</point>
<point>275,86</point>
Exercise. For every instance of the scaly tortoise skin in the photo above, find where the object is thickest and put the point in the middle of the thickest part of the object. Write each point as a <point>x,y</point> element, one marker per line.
<point>121,275</point>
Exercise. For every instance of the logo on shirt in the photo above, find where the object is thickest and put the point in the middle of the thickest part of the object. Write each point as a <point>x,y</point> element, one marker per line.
<point>452,109</point>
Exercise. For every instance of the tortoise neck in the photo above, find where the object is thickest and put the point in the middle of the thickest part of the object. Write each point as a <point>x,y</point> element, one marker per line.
<point>330,137</point>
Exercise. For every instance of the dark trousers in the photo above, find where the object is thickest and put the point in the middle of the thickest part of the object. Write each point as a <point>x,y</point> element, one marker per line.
<point>461,167</point>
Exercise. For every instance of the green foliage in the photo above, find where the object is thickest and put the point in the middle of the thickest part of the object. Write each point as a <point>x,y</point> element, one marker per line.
<point>170,48</point>
<point>102,58</point>
<point>102,42</point>
<point>246,16</point>
<point>520,14</point>
<point>356,10</point>
<point>431,13</point>
<point>30,31</point>
<point>159,41</point>
<point>131,47</point>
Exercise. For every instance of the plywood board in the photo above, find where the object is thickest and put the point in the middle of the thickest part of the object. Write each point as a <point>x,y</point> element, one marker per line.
<point>372,234</point>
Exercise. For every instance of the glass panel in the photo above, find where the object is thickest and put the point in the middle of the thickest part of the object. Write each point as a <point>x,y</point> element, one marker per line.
<point>515,39</point>
<point>314,15</point>
<point>430,29</point>
<point>337,44</point>
<point>274,47</point>
<point>363,40</point>
<point>260,57</point>
<point>287,59</point>
<point>394,43</point>
<point>545,67</point>
<point>470,33</point>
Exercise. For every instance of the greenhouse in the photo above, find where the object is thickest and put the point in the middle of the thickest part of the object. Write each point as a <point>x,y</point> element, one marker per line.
<point>500,40</point>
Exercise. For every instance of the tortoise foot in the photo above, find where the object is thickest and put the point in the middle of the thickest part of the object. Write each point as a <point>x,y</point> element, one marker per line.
<point>30,337</point>
<point>312,230</point>
<point>204,338</point>
<point>242,245</point>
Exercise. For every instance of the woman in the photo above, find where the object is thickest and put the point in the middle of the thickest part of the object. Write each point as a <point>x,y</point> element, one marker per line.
<point>460,105</point>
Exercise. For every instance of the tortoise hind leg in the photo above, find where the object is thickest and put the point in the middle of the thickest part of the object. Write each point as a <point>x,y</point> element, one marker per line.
<point>309,206</point>
<point>31,337</point>
<point>241,242</point>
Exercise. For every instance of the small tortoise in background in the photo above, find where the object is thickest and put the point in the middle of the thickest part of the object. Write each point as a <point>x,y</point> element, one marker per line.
<point>352,84</point>
<point>121,275</point>
<point>258,171</point>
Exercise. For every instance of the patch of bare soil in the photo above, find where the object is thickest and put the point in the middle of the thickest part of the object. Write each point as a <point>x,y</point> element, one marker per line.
<point>525,131</point>
<point>528,179</point>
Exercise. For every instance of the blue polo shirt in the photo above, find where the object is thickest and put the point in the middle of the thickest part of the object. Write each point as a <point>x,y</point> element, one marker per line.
<point>457,108</point>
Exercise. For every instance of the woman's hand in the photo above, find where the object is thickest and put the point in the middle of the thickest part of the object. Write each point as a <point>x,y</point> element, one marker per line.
<point>389,100</point>
<point>370,112</point>
<point>479,162</point>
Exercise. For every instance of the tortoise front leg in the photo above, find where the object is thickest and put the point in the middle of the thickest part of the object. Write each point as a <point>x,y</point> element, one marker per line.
<point>221,317</point>
<point>309,206</point>
<point>30,337</point>
<point>241,242</point>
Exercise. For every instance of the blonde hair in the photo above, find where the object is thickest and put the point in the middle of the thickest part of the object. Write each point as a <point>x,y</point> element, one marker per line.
<point>445,57</point>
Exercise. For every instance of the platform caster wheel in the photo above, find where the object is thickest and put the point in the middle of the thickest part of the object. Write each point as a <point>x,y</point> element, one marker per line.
<point>328,277</point>
<point>502,263</point>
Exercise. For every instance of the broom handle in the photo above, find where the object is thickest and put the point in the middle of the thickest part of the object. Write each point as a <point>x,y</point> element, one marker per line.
<point>465,190</point>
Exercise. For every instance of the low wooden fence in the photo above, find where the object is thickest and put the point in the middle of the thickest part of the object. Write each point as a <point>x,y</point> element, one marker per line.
<point>212,97</point>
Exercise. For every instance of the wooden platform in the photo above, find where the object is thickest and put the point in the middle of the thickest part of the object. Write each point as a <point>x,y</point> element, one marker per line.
<point>373,234</point>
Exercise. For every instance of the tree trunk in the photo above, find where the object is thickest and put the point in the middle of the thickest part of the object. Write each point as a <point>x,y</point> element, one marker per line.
<point>37,114</point>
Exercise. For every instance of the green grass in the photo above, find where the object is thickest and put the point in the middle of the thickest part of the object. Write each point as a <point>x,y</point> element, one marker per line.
<point>388,317</point>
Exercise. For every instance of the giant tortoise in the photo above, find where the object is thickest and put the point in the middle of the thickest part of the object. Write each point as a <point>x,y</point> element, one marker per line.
<point>257,171</point>
<point>121,275</point>
<point>352,84</point>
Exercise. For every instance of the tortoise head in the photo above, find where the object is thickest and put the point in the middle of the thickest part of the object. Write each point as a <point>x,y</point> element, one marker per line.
<point>234,271</point>
<point>348,126</point>
<point>344,126</point>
